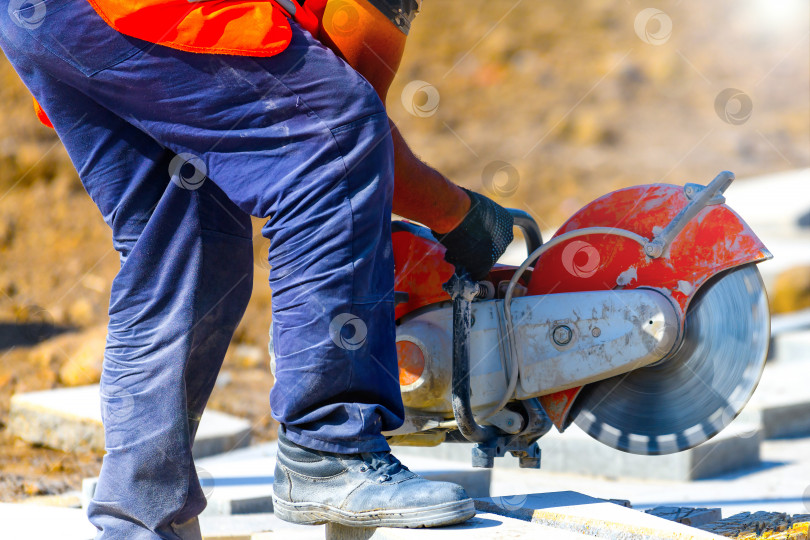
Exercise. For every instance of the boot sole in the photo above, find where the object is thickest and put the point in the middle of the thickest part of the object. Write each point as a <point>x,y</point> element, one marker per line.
<point>308,513</point>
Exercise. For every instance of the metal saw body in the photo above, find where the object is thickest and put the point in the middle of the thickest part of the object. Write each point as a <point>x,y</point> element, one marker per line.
<point>562,341</point>
<point>606,305</point>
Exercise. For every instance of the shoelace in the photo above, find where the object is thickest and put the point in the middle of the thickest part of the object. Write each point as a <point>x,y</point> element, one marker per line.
<point>382,462</point>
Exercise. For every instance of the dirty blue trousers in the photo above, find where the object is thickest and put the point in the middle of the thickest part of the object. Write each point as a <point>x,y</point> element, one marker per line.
<point>178,150</point>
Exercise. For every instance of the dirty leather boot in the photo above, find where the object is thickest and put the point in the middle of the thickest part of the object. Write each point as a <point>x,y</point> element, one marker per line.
<point>360,490</point>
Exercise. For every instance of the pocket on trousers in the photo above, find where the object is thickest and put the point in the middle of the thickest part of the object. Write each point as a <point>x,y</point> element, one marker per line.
<point>73,31</point>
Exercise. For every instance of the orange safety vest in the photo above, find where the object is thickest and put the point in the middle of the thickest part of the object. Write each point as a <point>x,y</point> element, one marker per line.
<point>235,27</point>
<point>240,27</point>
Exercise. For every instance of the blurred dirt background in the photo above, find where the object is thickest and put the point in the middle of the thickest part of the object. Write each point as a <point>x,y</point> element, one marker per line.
<point>542,105</point>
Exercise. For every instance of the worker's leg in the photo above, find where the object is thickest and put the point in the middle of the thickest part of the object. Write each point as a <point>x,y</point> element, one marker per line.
<point>175,304</point>
<point>299,138</point>
<point>185,278</point>
<point>173,310</point>
<point>303,140</point>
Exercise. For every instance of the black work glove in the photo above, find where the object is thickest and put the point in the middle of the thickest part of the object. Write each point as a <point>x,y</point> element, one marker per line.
<point>480,239</point>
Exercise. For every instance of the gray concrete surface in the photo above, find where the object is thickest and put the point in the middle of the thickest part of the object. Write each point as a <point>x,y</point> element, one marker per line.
<point>575,512</point>
<point>248,526</point>
<point>736,447</point>
<point>483,525</point>
<point>69,419</point>
<point>790,322</point>
<point>790,337</point>
<point>781,402</point>
<point>793,346</point>
<point>780,483</point>
<point>693,517</point>
<point>575,452</point>
<point>35,522</point>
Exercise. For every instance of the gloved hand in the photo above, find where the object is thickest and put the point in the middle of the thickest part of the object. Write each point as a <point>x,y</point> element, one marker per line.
<point>478,241</point>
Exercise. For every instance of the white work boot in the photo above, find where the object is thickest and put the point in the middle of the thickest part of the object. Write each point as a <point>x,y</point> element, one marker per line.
<point>360,490</point>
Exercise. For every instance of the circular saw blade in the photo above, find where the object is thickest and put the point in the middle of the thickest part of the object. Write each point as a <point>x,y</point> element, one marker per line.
<point>687,398</point>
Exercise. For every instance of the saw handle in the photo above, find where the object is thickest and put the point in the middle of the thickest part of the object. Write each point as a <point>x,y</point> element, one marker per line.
<point>462,290</point>
<point>658,245</point>
<point>531,231</point>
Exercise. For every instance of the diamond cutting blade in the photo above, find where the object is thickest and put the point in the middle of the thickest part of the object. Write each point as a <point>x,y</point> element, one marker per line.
<point>687,398</point>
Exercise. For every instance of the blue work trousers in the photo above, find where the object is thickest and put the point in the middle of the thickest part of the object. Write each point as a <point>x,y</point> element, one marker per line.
<point>178,150</point>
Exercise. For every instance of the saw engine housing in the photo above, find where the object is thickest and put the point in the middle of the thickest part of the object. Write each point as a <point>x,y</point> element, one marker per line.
<point>562,341</point>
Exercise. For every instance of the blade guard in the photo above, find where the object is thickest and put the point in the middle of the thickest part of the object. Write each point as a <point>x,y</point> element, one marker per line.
<point>717,239</point>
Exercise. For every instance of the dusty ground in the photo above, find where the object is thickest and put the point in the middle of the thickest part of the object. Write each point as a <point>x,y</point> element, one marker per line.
<point>566,96</point>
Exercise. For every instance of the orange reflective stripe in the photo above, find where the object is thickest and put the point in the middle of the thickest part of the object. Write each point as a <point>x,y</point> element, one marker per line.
<point>238,27</point>
<point>41,114</point>
<point>308,17</point>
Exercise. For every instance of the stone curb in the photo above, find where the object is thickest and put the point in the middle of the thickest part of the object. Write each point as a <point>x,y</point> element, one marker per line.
<point>69,419</point>
<point>575,512</point>
<point>736,447</point>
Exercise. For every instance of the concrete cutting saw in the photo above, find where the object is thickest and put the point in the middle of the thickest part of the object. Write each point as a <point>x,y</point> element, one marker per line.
<point>644,320</point>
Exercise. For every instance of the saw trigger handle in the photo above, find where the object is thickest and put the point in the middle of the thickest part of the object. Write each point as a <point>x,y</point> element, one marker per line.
<point>528,226</point>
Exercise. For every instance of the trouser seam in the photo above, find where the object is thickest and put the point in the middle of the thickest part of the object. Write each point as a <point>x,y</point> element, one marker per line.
<point>345,185</point>
<point>189,339</point>
<point>356,124</point>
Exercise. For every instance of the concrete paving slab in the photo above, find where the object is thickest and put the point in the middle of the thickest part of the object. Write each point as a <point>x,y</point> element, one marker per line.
<point>736,447</point>
<point>792,346</point>
<point>693,517</point>
<point>790,322</point>
<point>220,432</point>
<point>236,482</point>
<point>575,512</point>
<point>790,337</point>
<point>483,525</point>
<point>574,451</point>
<point>285,535</point>
<point>781,402</point>
<point>780,483</point>
<point>69,419</point>
<point>248,526</point>
<point>69,499</point>
<point>34,522</point>
<point>239,482</point>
